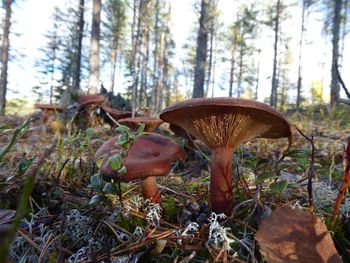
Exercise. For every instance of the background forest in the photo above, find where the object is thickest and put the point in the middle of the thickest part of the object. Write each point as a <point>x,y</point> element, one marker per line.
<point>157,52</point>
<point>108,169</point>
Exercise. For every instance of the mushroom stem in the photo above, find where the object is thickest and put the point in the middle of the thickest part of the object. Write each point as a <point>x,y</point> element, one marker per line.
<point>150,190</point>
<point>221,180</point>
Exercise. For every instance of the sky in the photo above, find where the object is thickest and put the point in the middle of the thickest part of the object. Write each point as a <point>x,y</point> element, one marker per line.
<point>31,19</point>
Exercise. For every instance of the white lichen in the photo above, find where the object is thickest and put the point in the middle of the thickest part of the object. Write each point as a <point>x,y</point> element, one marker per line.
<point>218,235</point>
<point>154,214</point>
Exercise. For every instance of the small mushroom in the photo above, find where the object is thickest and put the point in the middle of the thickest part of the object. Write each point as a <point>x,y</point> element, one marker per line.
<point>115,113</point>
<point>223,124</point>
<point>88,105</point>
<point>48,109</point>
<point>150,156</point>
<point>87,100</point>
<point>151,124</point>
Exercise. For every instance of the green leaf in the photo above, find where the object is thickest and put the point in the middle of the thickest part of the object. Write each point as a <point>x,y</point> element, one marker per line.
<point>261,178</point>
<point>123,139</point>
<point>89,132</point>
<point>57,192</point>
<point>123,129</point>
<point>122,170</point>
<point>95,199</point>
<point>115,162</point>
<point>140,128</point>
<point>279,187</point>
<point>110,188</point>
<point>96,182</point>
<point>99,161</point>
<point>5,127</point>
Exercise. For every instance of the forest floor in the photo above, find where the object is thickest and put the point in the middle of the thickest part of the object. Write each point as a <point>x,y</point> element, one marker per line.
<point>64,223</point>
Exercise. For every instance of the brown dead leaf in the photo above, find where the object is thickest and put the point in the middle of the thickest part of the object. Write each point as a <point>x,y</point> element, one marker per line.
<point>294,235</point>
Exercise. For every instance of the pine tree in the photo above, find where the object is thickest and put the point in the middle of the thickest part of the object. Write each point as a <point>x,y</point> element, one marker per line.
<point>5,54</point>
<point>94,56</point>
<point>201,53</point>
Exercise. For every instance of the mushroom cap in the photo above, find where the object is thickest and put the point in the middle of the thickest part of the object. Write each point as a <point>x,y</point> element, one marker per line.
<point>151,124</point>
<point>227,122</point>
<point>49,107</point>
<point>115,113</point>
<point>150,155</point>
<point>85,100</point>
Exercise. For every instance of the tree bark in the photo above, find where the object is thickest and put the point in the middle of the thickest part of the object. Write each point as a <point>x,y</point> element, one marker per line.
<point>301,42</point>
<point>77,70</point>
<point>155,89</point>
<point>335,52</point>
<point>135,57</point>
<point>5,55</point>
<point>94,56</point>
<point>201,53</point>
<point>273,96</point>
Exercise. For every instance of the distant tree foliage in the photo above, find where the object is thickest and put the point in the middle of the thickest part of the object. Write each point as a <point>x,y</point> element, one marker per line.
<point>129,48</point>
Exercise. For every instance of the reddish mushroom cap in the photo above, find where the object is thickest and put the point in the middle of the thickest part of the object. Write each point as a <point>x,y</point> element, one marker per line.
<point>115,113</point>
<point>85,100</point>
<point>151,124</point>
<point>227,122</point>
<point>49,107</point>
<point>150,155</point>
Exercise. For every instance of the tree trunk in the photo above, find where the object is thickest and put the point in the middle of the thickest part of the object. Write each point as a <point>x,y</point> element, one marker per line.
<point>233,50</point>
<point>77,70</point>
<point>301,42</point>
<point>144,70</point>
<point>5,55</point>
<point>113,68</point>
<point>135,58</point>
<point>335,52</point>
<point>155,90</point>
<point>94,56</point>
<point>167,43</point>
<point>273,97</point>
<point>201,53</point>
<point>240,72</point>
<point>210,63</point>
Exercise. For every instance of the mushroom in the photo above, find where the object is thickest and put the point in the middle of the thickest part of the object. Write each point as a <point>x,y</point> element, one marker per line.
<point>87,100</point>
<point>151,124</point>
<point>223,124</point>
<point>115,113</point>
<point>150,156</point>
<point>48,108</point>
<point>87,104</point>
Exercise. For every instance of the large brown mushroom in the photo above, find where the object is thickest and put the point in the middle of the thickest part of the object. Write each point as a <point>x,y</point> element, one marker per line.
<point>48,109</point>
<point>150,156</point>
<point>151,124</point>
<point>223,124</point>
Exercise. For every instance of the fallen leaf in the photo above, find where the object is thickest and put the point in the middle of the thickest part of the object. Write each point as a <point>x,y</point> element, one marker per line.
<point>294,235</point>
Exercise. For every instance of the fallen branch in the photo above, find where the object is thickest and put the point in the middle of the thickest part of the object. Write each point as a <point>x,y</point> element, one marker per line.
<point>310,172</point>
<point>344,101</point>
<point>342,82</point>
<point>345,184</point>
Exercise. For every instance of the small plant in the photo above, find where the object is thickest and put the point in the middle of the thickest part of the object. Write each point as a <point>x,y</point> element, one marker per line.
<point>16,133</point>
<point>103,188</point>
